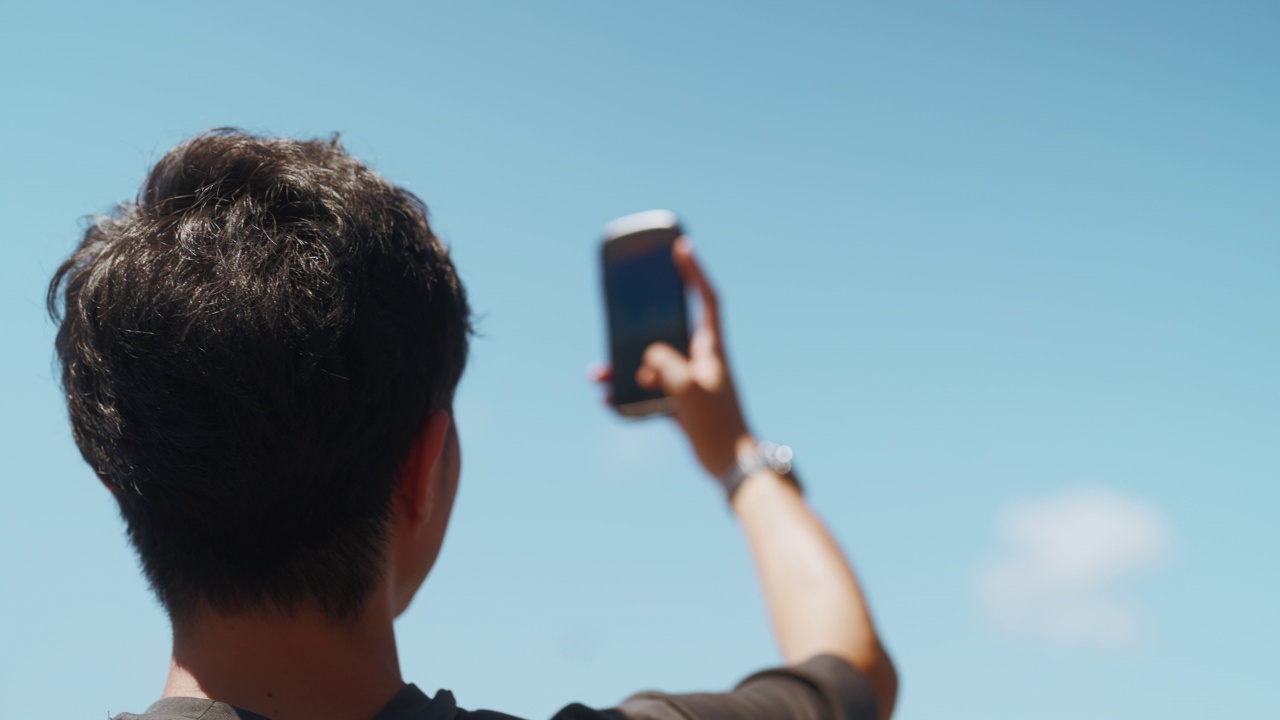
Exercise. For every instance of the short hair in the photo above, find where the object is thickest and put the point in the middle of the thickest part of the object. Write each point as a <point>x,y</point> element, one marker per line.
<point>248,351</point>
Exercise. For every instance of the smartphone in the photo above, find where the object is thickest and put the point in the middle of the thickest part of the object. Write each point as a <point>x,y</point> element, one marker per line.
<point>645,303</point>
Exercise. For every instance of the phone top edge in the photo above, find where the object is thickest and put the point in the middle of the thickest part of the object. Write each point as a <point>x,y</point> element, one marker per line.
<point>637,222</point>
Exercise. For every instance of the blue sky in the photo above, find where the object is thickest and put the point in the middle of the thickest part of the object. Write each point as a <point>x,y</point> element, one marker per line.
<point>1006,275</point>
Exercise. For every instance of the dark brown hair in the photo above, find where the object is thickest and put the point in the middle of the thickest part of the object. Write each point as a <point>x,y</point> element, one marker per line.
<point>248,352</point>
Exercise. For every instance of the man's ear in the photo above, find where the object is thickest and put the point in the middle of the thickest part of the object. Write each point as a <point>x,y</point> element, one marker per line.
<point>417,490</point>
<point>110,488</point>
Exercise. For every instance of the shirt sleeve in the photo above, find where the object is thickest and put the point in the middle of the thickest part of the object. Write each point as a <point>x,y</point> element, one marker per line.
<point>822,688</point>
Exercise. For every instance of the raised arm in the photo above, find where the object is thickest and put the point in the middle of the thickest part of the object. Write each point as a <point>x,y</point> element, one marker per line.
<point>815,602</point>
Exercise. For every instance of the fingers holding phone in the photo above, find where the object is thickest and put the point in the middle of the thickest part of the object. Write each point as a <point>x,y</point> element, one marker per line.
<point>700,385</point>
<point>658,366</point>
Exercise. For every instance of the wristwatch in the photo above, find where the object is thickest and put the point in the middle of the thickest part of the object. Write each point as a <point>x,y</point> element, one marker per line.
<point>765,456</point>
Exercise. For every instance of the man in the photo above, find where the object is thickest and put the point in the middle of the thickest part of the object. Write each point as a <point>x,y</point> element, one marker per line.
<point>260,356</point>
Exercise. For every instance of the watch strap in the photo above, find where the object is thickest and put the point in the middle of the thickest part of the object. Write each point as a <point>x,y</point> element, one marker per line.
<point>765,456</point>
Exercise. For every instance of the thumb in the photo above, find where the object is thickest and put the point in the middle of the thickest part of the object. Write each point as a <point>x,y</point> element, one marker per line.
<point>663,366</point>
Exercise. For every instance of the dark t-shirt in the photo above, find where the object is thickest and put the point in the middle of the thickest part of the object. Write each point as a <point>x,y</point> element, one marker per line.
<point>824,688</point>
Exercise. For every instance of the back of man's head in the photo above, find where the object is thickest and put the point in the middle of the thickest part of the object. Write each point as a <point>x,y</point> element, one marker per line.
<point>249,351</point>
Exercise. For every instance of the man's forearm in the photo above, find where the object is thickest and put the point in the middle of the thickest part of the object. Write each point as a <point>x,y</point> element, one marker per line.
<point>814,599</point>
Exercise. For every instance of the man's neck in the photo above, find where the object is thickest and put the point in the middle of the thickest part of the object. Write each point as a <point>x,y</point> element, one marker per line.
<point>300,665</point>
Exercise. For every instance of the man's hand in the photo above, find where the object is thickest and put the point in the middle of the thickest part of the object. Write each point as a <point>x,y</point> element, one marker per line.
<point>700,386</point>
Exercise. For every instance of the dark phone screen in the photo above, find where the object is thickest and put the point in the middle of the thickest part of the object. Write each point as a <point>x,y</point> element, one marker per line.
<point>646,304</point>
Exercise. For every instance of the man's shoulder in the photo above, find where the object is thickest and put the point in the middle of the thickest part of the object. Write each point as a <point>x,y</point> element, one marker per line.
<point>185,708</point>
<point>822,688</point>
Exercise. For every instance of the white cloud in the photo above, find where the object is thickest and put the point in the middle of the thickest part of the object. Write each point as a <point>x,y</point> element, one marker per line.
<point>1062,560</point>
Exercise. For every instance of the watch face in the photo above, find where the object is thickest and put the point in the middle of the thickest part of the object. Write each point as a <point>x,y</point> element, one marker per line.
<point>782,457</point>
<point>767,456</point>
<point>777,457</point>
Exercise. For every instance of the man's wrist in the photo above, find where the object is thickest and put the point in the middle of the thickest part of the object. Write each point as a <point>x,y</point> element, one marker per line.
<point>755,457</point>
